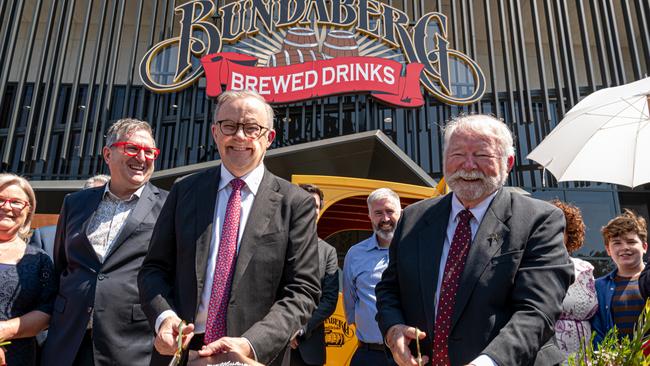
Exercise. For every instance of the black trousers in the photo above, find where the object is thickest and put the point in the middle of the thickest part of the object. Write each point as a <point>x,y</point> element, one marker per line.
<point>85,353</point>
<point>366,357</point>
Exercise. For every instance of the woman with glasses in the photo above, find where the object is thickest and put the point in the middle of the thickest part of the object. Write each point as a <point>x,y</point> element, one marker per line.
<point>27,282</point>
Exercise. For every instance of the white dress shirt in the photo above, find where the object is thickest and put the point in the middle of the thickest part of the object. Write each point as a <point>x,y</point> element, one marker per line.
<point>478,212</point>
<point>248,192</point>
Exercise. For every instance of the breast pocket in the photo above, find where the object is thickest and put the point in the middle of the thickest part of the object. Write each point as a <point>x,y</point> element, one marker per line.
<point>513,256</point>
<point>144,227</point>
<point>272,238</point>
<point>59,304</point>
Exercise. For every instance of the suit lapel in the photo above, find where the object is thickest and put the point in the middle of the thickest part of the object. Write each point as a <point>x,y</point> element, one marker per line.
<point>430,242</point>
<point>264,206</point>
<point>94,199</point>
<point>204,200</point>
<point>486,244</point>
<point>140,211</point>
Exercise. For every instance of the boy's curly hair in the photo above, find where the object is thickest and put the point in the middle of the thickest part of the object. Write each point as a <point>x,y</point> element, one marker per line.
<point>575,226</point>
<point>627,222</point>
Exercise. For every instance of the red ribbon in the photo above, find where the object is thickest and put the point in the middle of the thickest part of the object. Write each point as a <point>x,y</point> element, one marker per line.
<point>292,83</point>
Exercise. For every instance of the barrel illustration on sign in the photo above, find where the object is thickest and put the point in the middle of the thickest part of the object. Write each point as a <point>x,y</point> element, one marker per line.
<point>301,45</point>
<point>340,43</point>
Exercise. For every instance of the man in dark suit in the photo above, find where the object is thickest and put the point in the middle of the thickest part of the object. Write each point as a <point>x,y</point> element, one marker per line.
<point>480,272</point>
<point>101,239</point>
<point>234,252</point>
<point>308,344</point>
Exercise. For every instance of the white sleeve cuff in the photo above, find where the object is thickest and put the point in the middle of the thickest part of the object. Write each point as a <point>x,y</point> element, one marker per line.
<point>164,315</point>
<point>483,360</point>
<point>252,349</point>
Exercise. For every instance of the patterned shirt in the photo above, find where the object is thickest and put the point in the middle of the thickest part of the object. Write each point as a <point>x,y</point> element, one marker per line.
<point>108,220</point>
<point>627,304</point>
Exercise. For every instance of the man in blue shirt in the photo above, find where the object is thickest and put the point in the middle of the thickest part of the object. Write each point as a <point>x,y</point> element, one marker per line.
<point>364,264</point>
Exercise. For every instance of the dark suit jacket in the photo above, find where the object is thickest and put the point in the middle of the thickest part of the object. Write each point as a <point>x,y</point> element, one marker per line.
<point>43,237</point>
<point>511,289</point>
<point>275,285</point>
<point>121,333</point>
<point>311,344</point>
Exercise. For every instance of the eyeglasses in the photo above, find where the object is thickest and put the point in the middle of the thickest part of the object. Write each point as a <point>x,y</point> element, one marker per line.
<point>131,149</point>
<point>251,130</point>
<point>14,203</point>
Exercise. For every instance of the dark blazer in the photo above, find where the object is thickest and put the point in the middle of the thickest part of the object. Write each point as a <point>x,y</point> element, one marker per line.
<point>43,237</point>
<point>108,290</point>
<point>275,285</point>
<point>311,345</point>
<point>511,289</point>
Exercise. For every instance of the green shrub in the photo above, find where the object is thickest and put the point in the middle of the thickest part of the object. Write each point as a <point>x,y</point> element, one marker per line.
<point>613,351</point>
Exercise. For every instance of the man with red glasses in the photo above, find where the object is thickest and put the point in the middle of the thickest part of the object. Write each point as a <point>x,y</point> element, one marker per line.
<point>101,240</point>
<point>234,252</point>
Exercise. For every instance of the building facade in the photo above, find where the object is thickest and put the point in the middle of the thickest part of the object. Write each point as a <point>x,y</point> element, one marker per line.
<point>70,68</point>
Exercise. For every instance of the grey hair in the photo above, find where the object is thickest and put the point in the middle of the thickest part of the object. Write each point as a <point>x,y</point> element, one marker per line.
<point>125,127</point>
<point>485,125</point>
<point>240,94</point>
<point>383,193</point>
<point>9,179</point>
<point>99,178</point>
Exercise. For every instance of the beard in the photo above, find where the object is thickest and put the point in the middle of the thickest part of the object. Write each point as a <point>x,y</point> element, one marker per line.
<point>474,185</point>
<point>384,234</point>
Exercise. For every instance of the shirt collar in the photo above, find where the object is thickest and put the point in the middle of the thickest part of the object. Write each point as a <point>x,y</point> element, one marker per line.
<point>477,211</point>
<point>612,274</point>
<point>107,192</point>
<point>373,243</point>
<point>253,179</point>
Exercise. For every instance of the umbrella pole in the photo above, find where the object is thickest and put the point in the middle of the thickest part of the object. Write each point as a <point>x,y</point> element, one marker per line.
<point>544,177</point>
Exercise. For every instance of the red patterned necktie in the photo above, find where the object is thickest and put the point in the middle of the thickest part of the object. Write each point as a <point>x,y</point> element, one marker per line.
<point>215,327</point>
<point>451,278</point>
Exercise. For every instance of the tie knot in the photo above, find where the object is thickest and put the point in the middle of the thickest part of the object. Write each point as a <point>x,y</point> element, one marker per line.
<point>237,184</point>
<point>465,216</point>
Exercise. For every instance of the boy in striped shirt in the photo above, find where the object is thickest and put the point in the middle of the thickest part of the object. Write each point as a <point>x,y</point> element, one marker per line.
<point>619,299</point>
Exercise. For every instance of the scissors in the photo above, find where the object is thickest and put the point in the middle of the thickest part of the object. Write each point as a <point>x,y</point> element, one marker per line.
<point>176,360</point>
<point>417,344</point>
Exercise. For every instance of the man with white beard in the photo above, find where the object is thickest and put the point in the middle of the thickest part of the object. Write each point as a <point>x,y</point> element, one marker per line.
<point>362,269</point>
<point>478,275</point>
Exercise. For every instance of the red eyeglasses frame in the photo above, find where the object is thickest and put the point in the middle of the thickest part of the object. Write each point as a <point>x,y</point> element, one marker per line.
<point>140,148</point>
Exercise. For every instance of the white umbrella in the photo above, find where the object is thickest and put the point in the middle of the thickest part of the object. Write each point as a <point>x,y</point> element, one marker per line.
<point>604,138</point>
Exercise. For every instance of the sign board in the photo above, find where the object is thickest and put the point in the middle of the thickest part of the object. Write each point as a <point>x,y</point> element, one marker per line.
<point>293,50</point>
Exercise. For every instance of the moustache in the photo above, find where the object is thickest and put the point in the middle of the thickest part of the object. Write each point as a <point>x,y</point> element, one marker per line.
<point>468,175</point>
<point>389,223</point>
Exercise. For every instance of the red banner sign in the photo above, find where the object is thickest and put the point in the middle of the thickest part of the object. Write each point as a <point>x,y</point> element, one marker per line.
<point>292,83</point>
